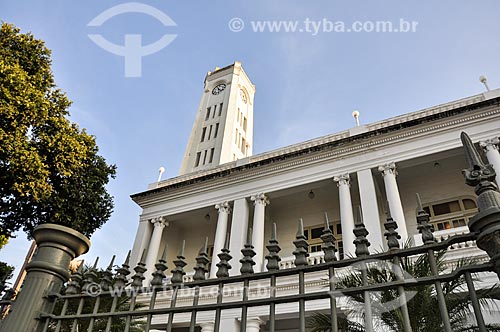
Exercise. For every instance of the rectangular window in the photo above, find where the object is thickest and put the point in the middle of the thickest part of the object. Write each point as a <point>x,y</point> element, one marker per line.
<point>208,114</point>
<point>215,111</point>
<point>220,109</point>
<point>211,155</point>
<point>238,116</point>
<point>241,119</point>
<point>239,141</point>
<point>243,145</point>
<point>204,131</point>
<point>210,132</point>
<point>236,136</point>
<point>197,163</point>
<point>205,157</point>
<point>216,130</point>
<point>245,124</point>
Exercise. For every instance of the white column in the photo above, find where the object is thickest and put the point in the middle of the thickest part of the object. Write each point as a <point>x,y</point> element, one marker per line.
<point>260,202</point>
<point>394,200</point>
<point>369,206</point>
<point>220,235</point>
<point>253,324</point>
<point>346,216</point>
<point>154,246</point>
<point>490,147</point>
<point>239,228</point>
<point>142,238</point>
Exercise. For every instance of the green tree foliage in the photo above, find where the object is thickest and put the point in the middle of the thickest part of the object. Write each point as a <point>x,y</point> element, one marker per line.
<point>3,241</point>
<point>423,307</point>
<point>6,271</point>
<point>50,170</point>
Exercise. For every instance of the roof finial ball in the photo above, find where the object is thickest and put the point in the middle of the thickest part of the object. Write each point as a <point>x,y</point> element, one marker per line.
<point>483,79</point>
<point>355,115</point>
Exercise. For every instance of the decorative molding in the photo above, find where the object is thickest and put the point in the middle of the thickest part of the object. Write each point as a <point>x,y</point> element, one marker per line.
<point>490,144</point>
<point>223,207</point>
<point>260,198</point>
<point>159,222</point>
<point>389,168</point>
<point>250,170</point>
<point>342,179</point>
<point>228,173</point>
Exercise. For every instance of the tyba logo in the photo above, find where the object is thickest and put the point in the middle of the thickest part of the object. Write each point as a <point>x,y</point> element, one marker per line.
<point>132,50</point>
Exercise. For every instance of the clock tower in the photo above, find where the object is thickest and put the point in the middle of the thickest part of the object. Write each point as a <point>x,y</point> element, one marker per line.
<point>223,127</point>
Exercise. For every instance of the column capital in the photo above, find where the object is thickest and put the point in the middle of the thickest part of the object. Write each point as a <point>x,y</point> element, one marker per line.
<point>223,207</point>
<point>342,179</point>
<point>388,168</point>
<point>260,198</point>
<point>159,221</point>
<point>490,144</point>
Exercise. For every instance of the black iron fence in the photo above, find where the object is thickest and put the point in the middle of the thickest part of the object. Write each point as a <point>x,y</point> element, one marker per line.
<point>402,289</point>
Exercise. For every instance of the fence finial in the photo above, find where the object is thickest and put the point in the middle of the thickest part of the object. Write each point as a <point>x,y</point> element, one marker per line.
<point>161,266</point>
<point>201,263</point>
<point>178,273</point>
<point>360,231</point>
<point>301,246</point>
<point>486,222</point>
<point>122,273</point>
<point>76,279</point>
<point>139,277</point>
<point>273,259</point>
<point>391,234</point>
<point>247,262</point>
<point>423,225</point>
<point>328,242</point>
<point>90,277</point>
<point>479,174</point>
<point>107,276</point>
<point>224,258</point>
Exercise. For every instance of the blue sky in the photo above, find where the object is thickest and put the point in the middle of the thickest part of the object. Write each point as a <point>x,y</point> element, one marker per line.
<point>307,85</point>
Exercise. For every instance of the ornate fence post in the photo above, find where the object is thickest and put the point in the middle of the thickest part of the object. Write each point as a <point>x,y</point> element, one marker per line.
<point>487,221</point>
<point>46,273</point>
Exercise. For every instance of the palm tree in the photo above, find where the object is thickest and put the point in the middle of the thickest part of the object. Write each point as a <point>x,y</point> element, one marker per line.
<point>422,305</point>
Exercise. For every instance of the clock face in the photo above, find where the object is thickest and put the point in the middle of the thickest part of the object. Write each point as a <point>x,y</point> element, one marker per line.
<point>243,96</point>
<point>218,89</point>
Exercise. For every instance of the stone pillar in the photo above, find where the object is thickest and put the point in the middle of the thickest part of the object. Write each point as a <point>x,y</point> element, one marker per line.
<point>490,147</point>
<point>260,202</point>
<point>369,206</point>
<point>142,238</point>
<point>253,324</point>
<point>346,215</point>
<point>46,273</point>
<point>154,247</point>
<point>220,235</point>
<point>394,200</point>
<point>239,228</point>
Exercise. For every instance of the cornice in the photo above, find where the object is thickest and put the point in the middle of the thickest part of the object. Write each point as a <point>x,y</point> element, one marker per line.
<point>324,152</point>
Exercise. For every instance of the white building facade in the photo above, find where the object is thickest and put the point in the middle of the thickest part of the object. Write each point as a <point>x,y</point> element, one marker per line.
<point>371,166</point>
